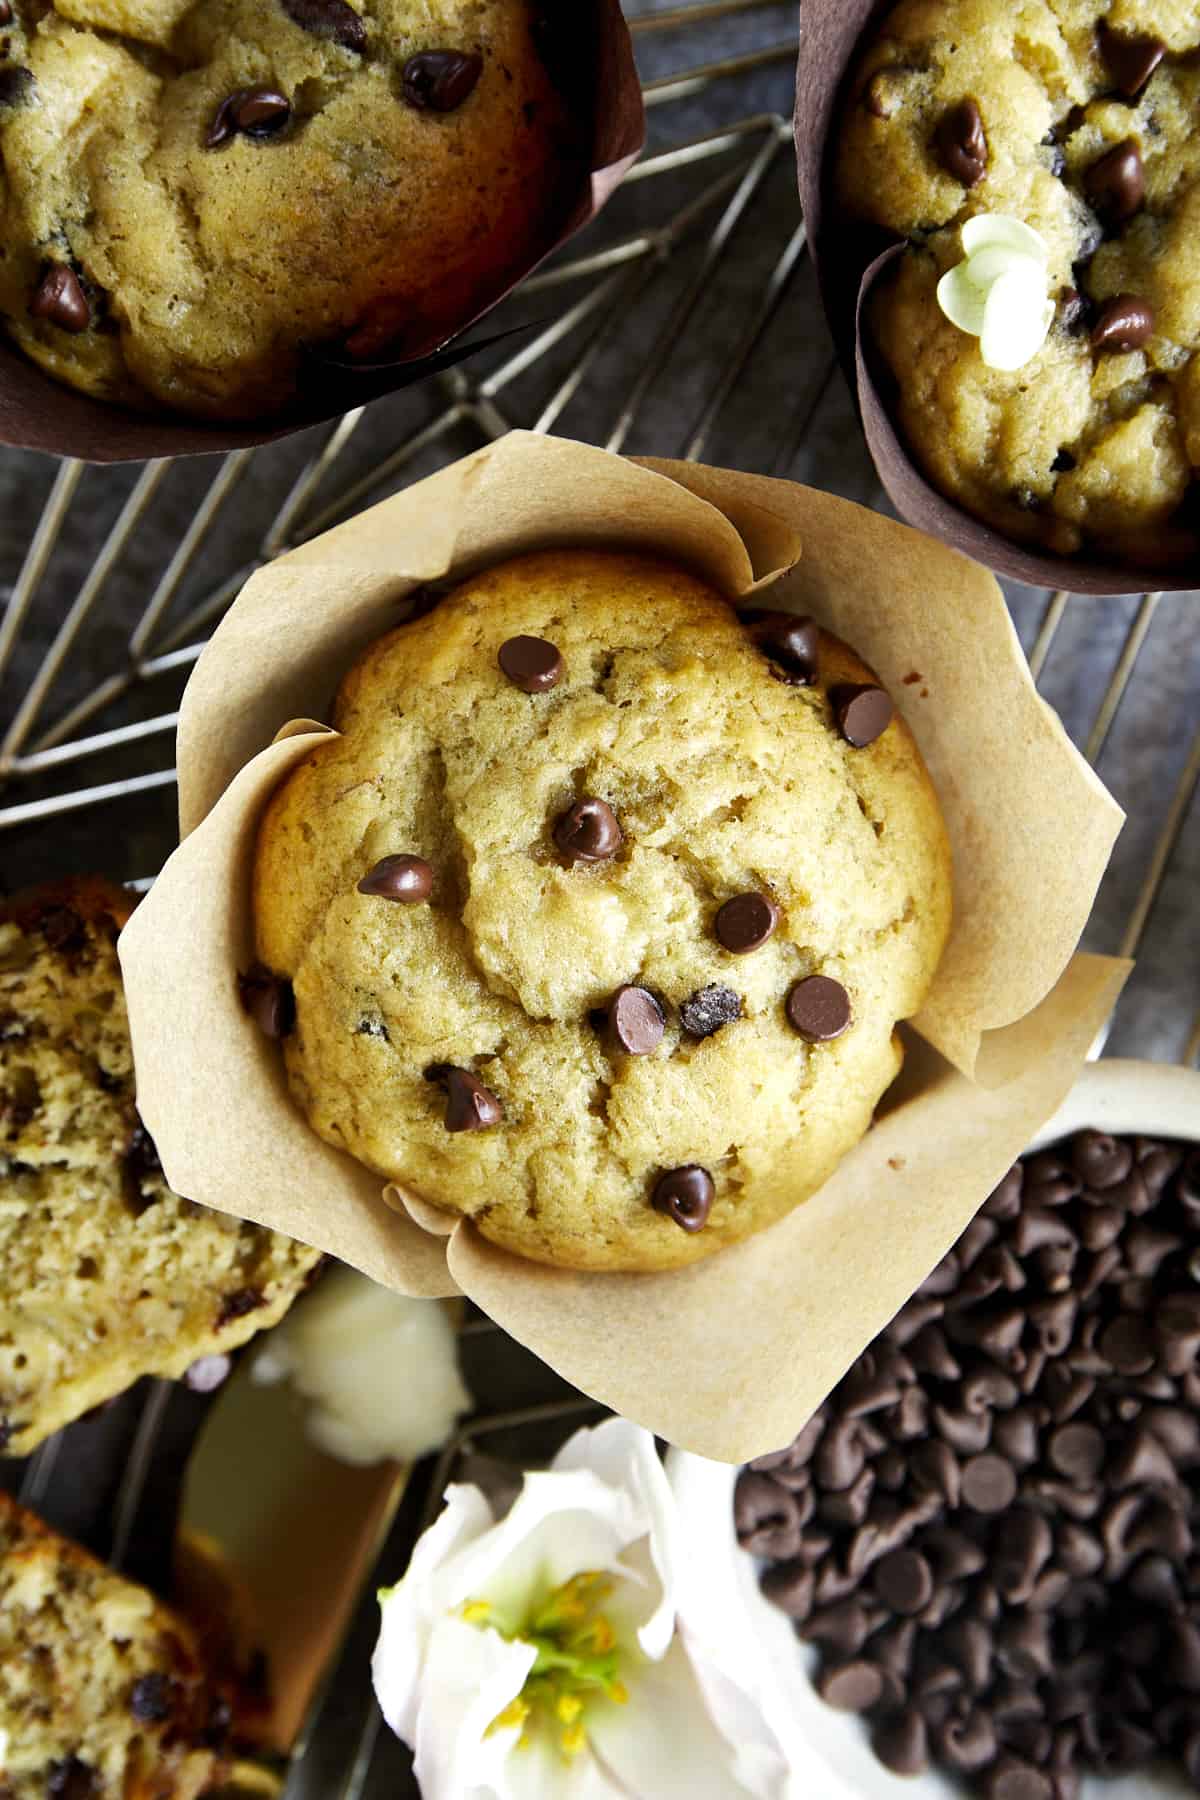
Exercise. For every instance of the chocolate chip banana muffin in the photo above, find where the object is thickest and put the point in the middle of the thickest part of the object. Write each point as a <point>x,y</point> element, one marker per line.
<point>101,1690</point>
<point>197,194</point>
<point>595,923</point>
<point>988,1531</point>
<point>1075,118</point>
<point>105,1275</point>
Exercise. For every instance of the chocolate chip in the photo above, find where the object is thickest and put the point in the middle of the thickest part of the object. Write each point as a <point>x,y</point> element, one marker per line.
<point>258,113</point>
<point>152,1698</point>
<point>819,1009</point>
<point>961,142</point>
<point>1012,1779</point>
<point>531,664</point>
<point>635,1020</point>
<point>989,1484</point>
<point>1077,1451</point>
<point>207,1374</point>
<point>1128,1345</point>
<point>791,640</point>
<point>1016,1437</point>
<point>968,1742</point>
<point>901,1743</point>
<point>855,1686</point>
<point>331,19</point>
<point>844,1627</point>
<point>852,1505</point>
<point>862,713</point>
<point>6,12</point>
<point>1142,1462</point>
<point>903,1581</point>
<point>269,1000</point>
<point>238,1304</point>
<point>1130,60</point>
<point>746,922</point>
<point>587,832</point>
<point>1116,183</point>
<point>408,879</point>
<point>1100,1161</point>
<point>840,1459</point>
<point>708,1010</point>
<point>17,85</point>
<point>685,1195</point>
<point>767,1517</point>
<point>60,300</point>
<point>935,1469</point>
<point>1063,462</point>
<point>440,80</point>
<point>469,1105</point>
<point>789,1586</point>
<point>71,1779</point>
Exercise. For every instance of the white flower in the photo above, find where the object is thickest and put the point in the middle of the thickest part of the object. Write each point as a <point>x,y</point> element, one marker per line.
<point>379,1370</point>
<point>998,293</point>
<point>576,1648</point>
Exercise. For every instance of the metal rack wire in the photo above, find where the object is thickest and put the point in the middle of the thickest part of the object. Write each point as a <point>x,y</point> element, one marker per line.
<point>684,322</point>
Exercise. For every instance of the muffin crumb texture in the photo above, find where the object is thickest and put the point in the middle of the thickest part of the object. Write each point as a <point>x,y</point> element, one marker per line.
<point>198,198</point>
<point>101,1692</point>
<point>560,1024</point>
<point>1078,118</point>
<point>105,1274</point>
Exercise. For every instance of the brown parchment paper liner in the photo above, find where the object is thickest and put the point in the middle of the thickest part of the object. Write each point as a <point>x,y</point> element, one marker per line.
<point>39,413</point>
<point>1010,1006</point>
<point>849,260</point>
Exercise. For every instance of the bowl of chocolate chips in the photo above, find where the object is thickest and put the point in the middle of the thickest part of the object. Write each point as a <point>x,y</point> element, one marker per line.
<point>976,1571</point>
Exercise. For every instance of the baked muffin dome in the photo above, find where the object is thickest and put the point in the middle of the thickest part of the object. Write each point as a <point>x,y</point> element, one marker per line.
<point>194,194</point>
<point>502,899</point>
<point>1076,118</point>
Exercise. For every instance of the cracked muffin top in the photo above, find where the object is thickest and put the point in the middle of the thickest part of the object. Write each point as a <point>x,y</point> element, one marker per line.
<point>197,194</point>
<point>595,923</point>
<point>1076,118</point>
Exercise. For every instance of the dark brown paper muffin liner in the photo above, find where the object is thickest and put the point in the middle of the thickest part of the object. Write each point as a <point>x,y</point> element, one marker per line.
<point>39,413</point>
<point>849,262</point>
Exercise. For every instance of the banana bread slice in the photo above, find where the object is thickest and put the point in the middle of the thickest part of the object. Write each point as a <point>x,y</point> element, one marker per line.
<point>101,1691</point>
<point>105,1274</point>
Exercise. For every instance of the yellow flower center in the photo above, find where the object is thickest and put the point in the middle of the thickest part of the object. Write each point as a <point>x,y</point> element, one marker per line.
<point>577,1660</point>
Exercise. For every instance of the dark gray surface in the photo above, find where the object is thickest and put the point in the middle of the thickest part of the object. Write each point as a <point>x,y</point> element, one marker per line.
<point>788,413</point>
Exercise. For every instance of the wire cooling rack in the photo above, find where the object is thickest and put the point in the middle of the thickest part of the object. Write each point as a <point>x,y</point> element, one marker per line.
<point>684,322</point>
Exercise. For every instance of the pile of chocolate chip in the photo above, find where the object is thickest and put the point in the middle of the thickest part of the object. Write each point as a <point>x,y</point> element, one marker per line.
<point>988,1530</point>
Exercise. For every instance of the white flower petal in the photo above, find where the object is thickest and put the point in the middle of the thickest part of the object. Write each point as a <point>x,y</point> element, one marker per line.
<point>962,302</point>
<point>539,1771</point>
<point>411,1608</point>
<point>559,1525</point>
<point>662,1744</point>
<point>747,1658</point>
<point>1016,321</point>
<point>470,1676</point>
<point>999,228</point>
<point>986,266</point>
<point>626,1455</point>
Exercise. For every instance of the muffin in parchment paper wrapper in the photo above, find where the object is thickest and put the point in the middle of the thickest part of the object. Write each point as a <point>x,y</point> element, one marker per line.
<point>851,259</point>
<point>730,1356</point>
<point>40,413</point>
